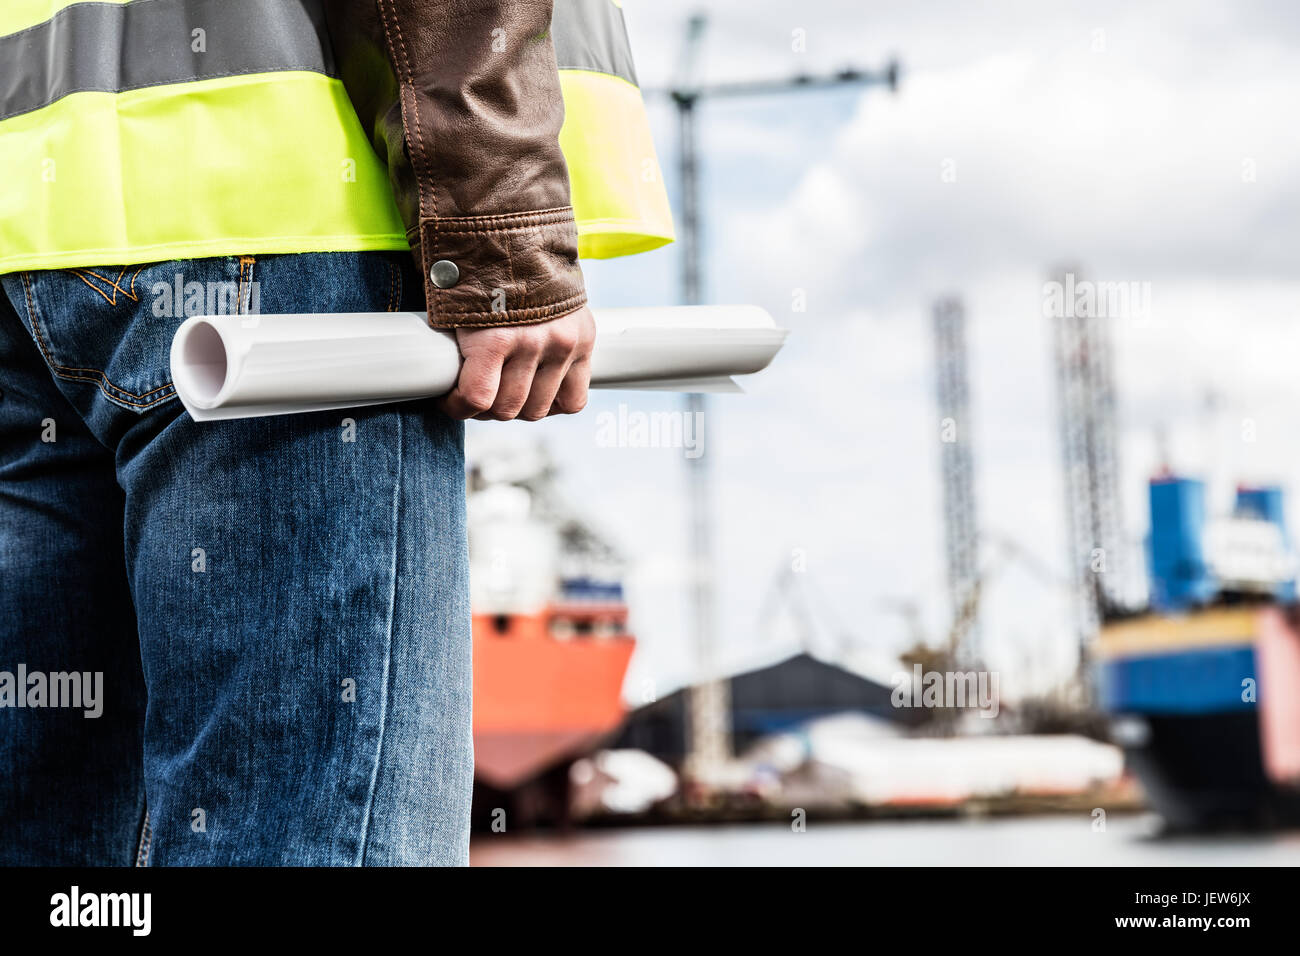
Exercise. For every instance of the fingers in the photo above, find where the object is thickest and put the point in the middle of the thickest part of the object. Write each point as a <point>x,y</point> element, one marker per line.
<point>497,375</point>
<point>480,377</point>
<point>546,383</point>
<point>516,385</point>
<point>572,394</point>
<point>524,372</point>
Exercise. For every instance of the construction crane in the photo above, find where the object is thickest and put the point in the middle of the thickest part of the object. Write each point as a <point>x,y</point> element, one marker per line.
<point>708,701</point>
<point>964,615</point>
<point>961,536</point>
<point>1085,385</point>
<point>1003,551</point>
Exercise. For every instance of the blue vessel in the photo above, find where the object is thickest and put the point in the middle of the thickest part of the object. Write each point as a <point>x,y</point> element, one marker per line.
<point>1181,680</point>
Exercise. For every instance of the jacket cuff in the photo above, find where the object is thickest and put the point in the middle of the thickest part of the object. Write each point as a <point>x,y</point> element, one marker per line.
<point>511,269</point>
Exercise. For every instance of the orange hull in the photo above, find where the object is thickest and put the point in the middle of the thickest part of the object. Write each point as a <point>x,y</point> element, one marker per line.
<point>539,700</point>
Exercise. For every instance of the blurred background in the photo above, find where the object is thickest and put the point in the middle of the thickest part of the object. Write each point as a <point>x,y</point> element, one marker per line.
<point>994,563</point>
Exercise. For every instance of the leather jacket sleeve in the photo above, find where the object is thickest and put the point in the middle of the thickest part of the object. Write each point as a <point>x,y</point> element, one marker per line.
<point>462,97</point>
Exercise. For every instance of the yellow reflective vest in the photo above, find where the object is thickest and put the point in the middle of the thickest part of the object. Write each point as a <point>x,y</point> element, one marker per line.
<point>120,145</point>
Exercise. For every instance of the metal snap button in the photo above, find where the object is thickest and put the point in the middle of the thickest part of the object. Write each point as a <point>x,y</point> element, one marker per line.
<point>444,274</point>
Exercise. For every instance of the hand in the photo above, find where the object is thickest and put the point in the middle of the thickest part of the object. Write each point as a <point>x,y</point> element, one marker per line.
<point>524,371</point>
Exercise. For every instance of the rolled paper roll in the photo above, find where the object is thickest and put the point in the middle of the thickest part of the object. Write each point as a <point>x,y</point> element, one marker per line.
<point>245,366</point>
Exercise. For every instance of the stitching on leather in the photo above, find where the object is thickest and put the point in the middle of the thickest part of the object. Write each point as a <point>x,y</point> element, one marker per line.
<point>526,227</point>
<point>467,226</point>
<point>408,86</point>
<point>522,316</point>
<point>416,151</point>
<point>557,213</point>
<point>548,307</point>
<point>102,380</point>
<point>502,230</point>
<point>510,266</point>
<point>392,287</point>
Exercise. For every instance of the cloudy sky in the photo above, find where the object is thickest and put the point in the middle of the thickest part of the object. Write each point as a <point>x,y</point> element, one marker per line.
<point>1147,142</point>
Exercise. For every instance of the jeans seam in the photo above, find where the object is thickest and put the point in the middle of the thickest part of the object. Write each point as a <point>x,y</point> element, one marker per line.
<point>115,284</point>
<point>388,651</point>
<point>146,840</point>
<point>65,371</point>
<point>245,282</point>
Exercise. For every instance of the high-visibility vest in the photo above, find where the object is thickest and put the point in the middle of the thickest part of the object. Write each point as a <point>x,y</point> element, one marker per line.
<point>119,145</point>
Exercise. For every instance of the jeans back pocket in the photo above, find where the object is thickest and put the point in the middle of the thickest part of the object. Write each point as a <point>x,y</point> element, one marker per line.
<point>107,331</point>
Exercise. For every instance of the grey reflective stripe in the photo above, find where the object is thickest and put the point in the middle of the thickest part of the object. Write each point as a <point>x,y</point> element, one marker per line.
<point>591,35</point>
<point>111,47</point>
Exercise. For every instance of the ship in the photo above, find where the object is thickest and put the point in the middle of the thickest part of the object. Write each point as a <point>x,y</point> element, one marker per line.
<point>1203,685</point>
<point>550,637</point>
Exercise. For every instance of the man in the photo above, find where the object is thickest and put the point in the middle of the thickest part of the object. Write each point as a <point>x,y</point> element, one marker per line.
<point>248,642</point>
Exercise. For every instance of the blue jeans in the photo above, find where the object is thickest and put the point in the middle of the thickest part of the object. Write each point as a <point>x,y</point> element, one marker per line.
<point>275,611</point>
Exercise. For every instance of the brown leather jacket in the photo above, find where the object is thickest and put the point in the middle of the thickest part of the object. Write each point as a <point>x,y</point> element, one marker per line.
<point>462,97</point>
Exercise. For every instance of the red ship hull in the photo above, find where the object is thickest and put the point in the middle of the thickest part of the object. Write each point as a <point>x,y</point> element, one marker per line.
<point>541,700</point>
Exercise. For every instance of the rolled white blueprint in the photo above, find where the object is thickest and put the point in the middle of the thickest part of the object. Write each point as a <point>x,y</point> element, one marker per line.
<point>245,366</point>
